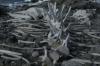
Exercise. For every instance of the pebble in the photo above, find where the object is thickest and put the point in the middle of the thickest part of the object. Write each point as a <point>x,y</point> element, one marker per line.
<point>35,54</point>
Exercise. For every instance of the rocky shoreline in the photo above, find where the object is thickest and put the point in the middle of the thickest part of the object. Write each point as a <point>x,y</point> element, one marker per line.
<point>50,33</point>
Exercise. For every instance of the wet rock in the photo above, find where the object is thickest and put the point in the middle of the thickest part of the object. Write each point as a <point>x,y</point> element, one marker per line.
<point>12,39</point>
<point>70,63</point>
<point>95,49</point>
<point>21,44</point>
<point>75,53</point>
<point>87,64</point>
<point>31,38</point>
<point>34,0</point>
<point>58,1</point>
<point>1,63</point>
<point>31,1</point>
<point>20,8</point>
<point>86,56</point>
<point>3,10</point>
<point>5,62</point>
<point>98,9</point>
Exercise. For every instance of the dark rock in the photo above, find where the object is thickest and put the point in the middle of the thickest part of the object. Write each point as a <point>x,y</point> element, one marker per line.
<point>87,56</point>
<point>5,62</point>
<point>86,5</point>
<point>74,53</point>
<point>31,39</point>
<point>58,1</point>
<point>40,16</point>
<point>21,44</point>
<point>34,0</point>
<point>20,8</point>
<point>3,10</point>
<point>12,39</point>
<point>71,63</point>
<point>95,49</point>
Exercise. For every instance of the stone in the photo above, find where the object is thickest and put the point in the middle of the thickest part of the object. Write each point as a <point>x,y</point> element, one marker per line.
<point>64,51</point>
<point>54,55</point>
<point>35,54</point>
<point>70,63</point>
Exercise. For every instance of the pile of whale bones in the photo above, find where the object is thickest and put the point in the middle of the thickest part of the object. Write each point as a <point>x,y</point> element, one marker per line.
<point>49,26</point>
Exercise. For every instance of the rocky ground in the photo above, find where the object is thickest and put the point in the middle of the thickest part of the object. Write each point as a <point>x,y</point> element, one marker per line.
<point>53,33</point>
